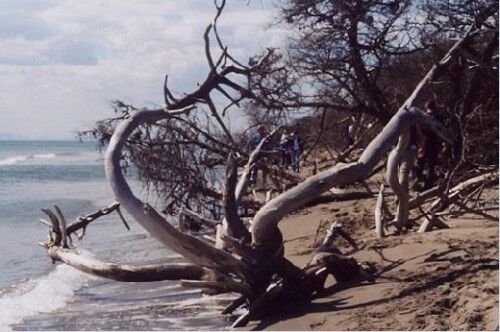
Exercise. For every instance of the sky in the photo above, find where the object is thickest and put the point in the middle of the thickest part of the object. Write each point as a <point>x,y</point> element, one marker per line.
<point>62,62</point>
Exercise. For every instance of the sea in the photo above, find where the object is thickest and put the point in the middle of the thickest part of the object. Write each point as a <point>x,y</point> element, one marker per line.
<point>36,294</point>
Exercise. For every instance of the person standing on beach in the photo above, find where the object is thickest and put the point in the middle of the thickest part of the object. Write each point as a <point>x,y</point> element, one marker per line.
<point>295,146</point>
<point>255,140</point>
<point>284,149</point>
<point>256,137</point>
<point>430,147</point>
<point>351,132</point>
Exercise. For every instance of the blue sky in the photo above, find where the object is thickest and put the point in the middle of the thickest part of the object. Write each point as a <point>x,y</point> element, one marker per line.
<point>62,62</point>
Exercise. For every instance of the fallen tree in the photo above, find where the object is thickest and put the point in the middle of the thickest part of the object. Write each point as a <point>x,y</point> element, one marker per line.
<point>252,263</point>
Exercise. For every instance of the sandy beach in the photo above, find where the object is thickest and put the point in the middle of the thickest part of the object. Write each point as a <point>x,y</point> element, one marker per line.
<point>440,280</point>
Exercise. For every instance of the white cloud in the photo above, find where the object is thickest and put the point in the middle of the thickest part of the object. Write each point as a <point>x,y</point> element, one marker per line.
<point>62,62</point>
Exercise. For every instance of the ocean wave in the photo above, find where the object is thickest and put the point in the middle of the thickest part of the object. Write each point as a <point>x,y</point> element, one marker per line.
<point>12,160</point>
<point>16,159</point>
<point>45,155</point>
<point>41,295</point>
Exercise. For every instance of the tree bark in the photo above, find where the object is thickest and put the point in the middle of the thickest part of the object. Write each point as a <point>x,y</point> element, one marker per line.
<point>379,213</point>
<point>189,246</point>
<point>265,222</point>
<point>129,273</point>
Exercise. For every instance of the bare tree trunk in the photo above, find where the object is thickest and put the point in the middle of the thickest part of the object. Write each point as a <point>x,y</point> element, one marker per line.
<point>129,273</point>
<point>189,246</point>
<point>399,165</point>
<point>264,224</point>
<point>404,173</point>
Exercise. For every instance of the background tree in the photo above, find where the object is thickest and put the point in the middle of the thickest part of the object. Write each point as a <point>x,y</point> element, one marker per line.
<point>365,57</point>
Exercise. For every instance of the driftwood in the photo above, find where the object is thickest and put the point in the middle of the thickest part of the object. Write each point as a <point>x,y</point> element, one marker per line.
<point>461,188</point>
<point>398,169</point>
<point>265,221</point>
<point>379,213</point>
<point>253,263</point>
<point>242,185</point>
<point>442,200</point>
<point>195,217</point>
<point>467,185</point>
<point>234,191</point>
<point>430,223</point>
<point>129,273</point>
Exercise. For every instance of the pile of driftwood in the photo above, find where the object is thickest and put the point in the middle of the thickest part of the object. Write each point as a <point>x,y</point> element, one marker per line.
<point>247,256</point>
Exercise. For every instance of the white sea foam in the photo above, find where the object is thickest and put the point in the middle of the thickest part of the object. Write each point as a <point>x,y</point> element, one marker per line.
<point>44,294</point>
<point>12,160</point>
<point>60,158</point>
<point>17,159</point>
<point>45,155</point>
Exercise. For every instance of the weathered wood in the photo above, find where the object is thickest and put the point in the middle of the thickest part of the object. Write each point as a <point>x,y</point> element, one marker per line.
<point>266,220</point>
<point>187,217</point>
<point>241,186</point>
<point>202,220</point>
<point>235,304</point>
<point>397,177</point>
<point>425,226</point>
<point>45,222</point>
<point>62,227</point>
<point>129,273</point>
<point>211,287</point>
<point>423,197</point>
<point>486,178</point>
<point>269,195</point>
<point>379,213</point>
<point>55,232</point>
<point>190,247</point>
<point>464,186</point>
<point>264,275</point>
<point>84,221</point>
<point>232,225</point>
<point>469,184</point>
<point>405,166</point>
<point>431,222</point>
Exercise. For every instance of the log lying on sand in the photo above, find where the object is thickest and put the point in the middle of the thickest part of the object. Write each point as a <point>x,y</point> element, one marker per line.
<point>267,218</point>
<point>465,186</point>
<point>126,272</point>
<point>211,282</point>
<point>257,270</point>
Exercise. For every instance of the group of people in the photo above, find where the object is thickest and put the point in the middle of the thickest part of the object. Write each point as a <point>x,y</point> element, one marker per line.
<point>424,142</point>
<point>289,150</point>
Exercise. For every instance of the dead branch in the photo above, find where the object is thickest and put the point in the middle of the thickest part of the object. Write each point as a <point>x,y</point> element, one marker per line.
<point>397,177</point>
<point>129,273</point>
<point>190,247</point>
<point>379,213</point>
<point>265,221</point>
<point>242,185</point>
<point>83,221</point>
<point>202,220</point>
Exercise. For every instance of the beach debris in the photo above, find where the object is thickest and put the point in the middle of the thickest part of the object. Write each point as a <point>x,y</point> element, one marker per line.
<point>245,260</point>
